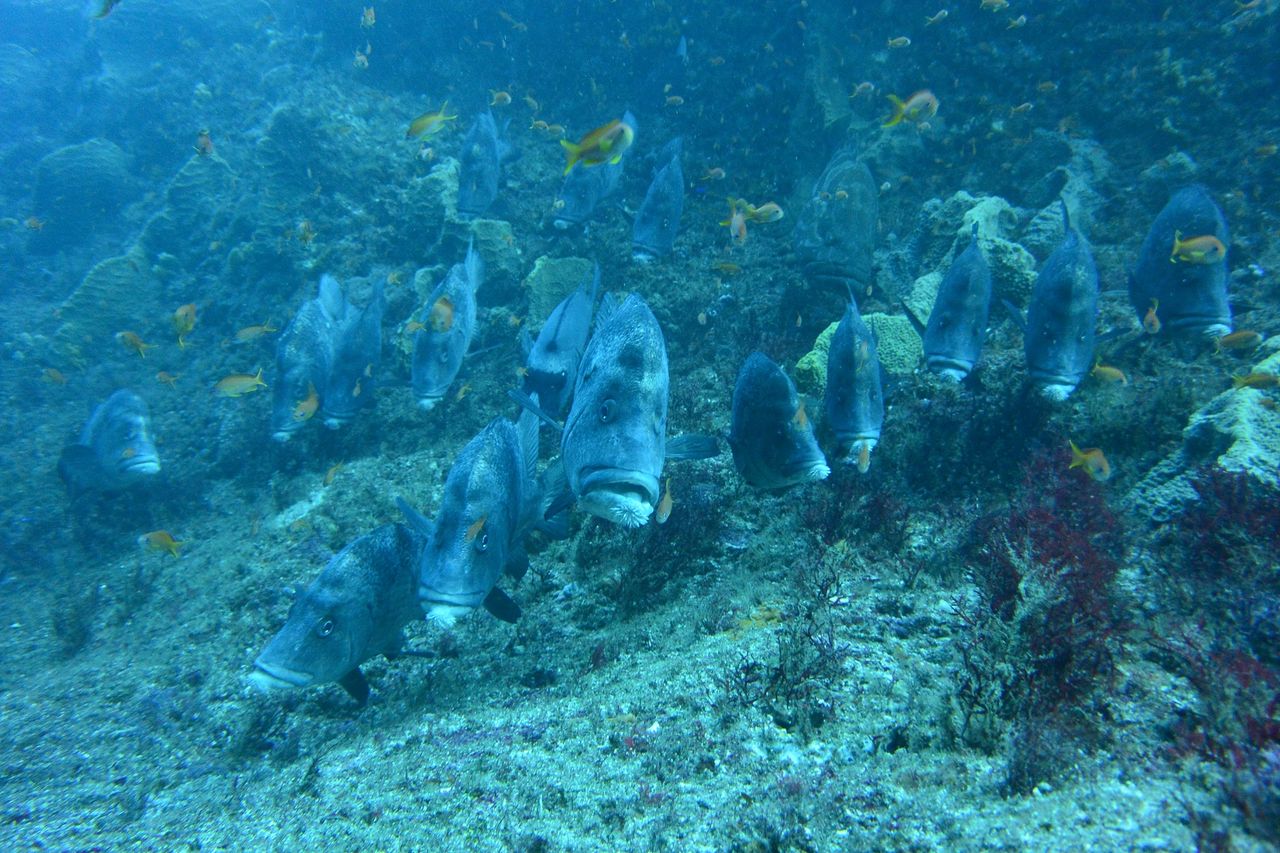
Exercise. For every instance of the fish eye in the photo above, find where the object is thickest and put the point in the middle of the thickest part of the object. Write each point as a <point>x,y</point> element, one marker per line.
<point>482,544</point>
<point>444,356</point>
<point>324,627</point>
<point>607,411</point>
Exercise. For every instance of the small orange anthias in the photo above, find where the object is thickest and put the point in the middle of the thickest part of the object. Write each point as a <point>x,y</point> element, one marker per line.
<point>204,143</point>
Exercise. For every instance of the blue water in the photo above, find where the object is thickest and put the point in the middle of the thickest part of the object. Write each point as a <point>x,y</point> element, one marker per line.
<point>967,639</point>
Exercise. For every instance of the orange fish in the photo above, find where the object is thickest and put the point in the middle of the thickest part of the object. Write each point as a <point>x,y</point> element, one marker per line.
<point>307,405</point>
<point>473,529</point>
<point>864,457</point>
<point>1242,340</point>
<point>1107,373</point>
<point>936,19</point>
<point>715,173</point>
<point>161,540</point>
<point>332,474</point>
<point>800,418</point>
<point>1205,249</point>
<point>430,123</point>
<point>499,99</point>
<point>34,223</point>
<point>1151,322</point>
<point>239,384</point>
<point>130,340</point>
<point>184,320</point>
<point>166,378</point>
<point>204,143</point>
<point>605,144</point>
<point>737,223</point>
<point>898,41</point>
<point>441,318</point>
<point>368,18</point>
<point>54,376</point>
<point>1255,380</point>
<point>663,512</point>
<point>917,109</point>
<point>253,333</point>
<point>1091,461</point>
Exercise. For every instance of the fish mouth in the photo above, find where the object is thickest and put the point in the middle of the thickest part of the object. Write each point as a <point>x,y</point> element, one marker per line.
<point>809,472</point>
<point>950,368</point>
<point>337,421</point>
<point>270,676</point>
<point>642,256</point>
<point>561,224</point>
<point>1057,391</point>
<point>445,615</point>
<point>623,496</point>
<point>141,464</point>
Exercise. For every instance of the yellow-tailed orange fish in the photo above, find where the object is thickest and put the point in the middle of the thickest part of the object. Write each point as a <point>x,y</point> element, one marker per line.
<point>307,405</point>
<point>898,41</point>
<point>1242,340</point>
<point>1046,86</point>
<point>1091,461</point>
<point>184,320</point>
<point>605,144</point>
<point>767,212</point>
<point>737,223</point>
<point>429,124</point>
<point>1151,322</point>
<point>866,87</point>
<point>130,340</point>
<point>462,392</point>
<point>413,326</point>
<point>161,540</point>
<point>713,174</point>
<point>1016,23</point>
<point>368,18</point>
<point>252,333</point>
<point>441,318</point>
<point>204,143</point>
<point>864,458</point>
<point>33,223</point>
<point>1255,380</point>
<point>499,99</point>
<point>1107,373</point>
<point>531,103</point>
<point>920,107</point>
<point>674,101</point>
<point>936,19</point>
<point>239,384</point>
<point>54,376</point>
<point>1204,249</point>
<point>1024,107</point>
<point>994,5</point>
<point>663,511</point>
<point>474,528</point>
<point>164,377</point>
<point>332,473</point>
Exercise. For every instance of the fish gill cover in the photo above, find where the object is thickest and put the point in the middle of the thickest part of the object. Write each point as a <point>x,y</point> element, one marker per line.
<point>1032,604</point>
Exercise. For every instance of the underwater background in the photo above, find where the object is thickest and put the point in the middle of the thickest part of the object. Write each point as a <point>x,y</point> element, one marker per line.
<point>1025,614</point>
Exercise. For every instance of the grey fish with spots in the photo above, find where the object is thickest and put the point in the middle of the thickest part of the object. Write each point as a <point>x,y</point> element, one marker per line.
<point>1060,334</point>
<point>491,502</point>
<point>355,610</point>
<point>449,320</point>
<point>305,355</point>
<point>552,363</point>
<point>116,449</point>
<point>771,437</point>
<point>854,397</point>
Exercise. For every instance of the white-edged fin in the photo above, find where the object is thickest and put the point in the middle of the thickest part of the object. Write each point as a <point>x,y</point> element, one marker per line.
<point>608,306</point>
<point>474,265</point>
<point>332,302</point>
<point>527,430</point>
<point>530,404</point>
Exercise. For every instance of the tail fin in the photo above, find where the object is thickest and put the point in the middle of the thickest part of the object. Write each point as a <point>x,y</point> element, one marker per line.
<point>899,112</point>
<point>574,153</point>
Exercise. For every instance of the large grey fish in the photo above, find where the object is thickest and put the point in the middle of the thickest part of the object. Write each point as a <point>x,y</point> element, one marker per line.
<point>1187,289</point>
<point>483,152</point>
<point>491,502</point>
<point>358,356</point>
<point>770,435</point>
<point>615,437</point>
<point>658,219</point>
<point>854,399</point>
<point>958,322</point>
<point>304,358</point>
<point>115,450</point>
<point>449,320</point>
<point>1060,333</point>
<point>584,189</point>
<point>552,365</point>
<point>835,230</point>
<point>355,610</point>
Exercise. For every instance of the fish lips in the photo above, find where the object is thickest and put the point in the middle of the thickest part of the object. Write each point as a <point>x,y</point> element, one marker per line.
<point>622,495</point>
<point>270,676</point>
<point>140,464</point>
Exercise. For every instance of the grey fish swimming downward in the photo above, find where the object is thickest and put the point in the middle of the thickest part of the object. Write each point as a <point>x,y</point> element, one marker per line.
<point>615,437</point>
<point>355,610</point>
<point>1060,334</point>
<point>449,321</point>
<point>116,449</point>
<point>552,363</point>
<point>304,358</point>
<point>771,437</point>
<point>491,502</point>
<point>854,399</point>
